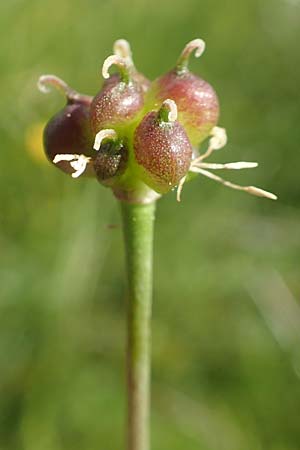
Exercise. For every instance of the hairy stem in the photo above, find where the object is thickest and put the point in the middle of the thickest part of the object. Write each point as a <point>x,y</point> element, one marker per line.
<point>138,224</point>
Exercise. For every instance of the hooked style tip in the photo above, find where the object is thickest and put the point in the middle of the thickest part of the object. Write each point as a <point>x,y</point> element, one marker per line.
<point>104,134</point>
<point>124,66</point>
<point>122,48</point>
<point>196,45</point>
<point>168,111</point>
<point>47,81</point>
<point>42,87</point>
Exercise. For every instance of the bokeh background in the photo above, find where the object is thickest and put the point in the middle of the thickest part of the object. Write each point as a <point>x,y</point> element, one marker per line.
<point>226,317</point>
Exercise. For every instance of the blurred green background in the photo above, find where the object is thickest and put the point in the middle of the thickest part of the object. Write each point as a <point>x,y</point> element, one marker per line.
<point>226,318</point>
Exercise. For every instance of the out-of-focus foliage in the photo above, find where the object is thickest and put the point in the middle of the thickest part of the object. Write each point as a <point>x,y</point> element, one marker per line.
<point>226,320</point>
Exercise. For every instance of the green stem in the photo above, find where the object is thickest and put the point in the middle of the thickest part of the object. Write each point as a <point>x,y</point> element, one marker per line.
<point>138,224</point>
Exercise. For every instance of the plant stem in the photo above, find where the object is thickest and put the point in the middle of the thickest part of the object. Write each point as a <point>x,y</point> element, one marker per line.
<point>138,224</point>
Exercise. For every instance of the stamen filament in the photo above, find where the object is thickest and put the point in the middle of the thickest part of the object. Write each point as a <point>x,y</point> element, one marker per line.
<point>216,142</point>
<point>231,166</point>
<point>250,189</point>
<point>77,162</point>
<point>179,188</point>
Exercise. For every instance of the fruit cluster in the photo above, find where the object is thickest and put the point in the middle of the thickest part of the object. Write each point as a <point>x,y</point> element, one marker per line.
<point>137,137</point>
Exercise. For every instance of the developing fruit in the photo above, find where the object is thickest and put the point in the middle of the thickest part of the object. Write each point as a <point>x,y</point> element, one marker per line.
<point>162,149</point>
<point>68,139</point>
<point>111,159</point>
<point>139,155</point>
<point>120,99</point>
<point>197,102</point>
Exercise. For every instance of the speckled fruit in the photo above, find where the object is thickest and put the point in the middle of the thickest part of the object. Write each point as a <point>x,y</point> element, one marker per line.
<point>197,102</point>
<point>163,152</point>
<point>110,162</point>
<point>119,101</point>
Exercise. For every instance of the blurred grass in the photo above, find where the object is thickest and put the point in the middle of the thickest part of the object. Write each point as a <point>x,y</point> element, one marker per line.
<point>226,359</point>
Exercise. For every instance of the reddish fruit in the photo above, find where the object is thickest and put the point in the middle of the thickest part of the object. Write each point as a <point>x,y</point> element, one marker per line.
<point>120,99</point>
<point>68,132</point>
<point>197,102</point>
<point>162,148</point>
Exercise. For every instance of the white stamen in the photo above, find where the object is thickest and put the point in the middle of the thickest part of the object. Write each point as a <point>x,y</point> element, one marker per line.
<point>234,165</point>
<point>250,189</point>
<point>80,165</point>
<point>77,162</point>
<point>64,157</point>
<point>218,139</point>
<point>179,188</point>
<point>104,134</point>
<point>261,192</point>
